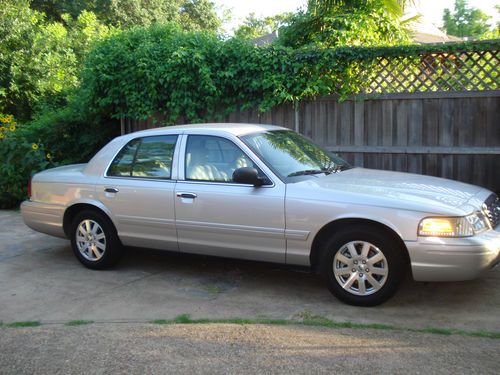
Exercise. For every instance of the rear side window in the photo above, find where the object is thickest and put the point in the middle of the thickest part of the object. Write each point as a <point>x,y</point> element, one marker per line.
<point>148,157</point>
<point>122,165</point>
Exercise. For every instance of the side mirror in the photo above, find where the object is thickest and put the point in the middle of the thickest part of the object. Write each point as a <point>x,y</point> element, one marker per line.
<point>247,175</point>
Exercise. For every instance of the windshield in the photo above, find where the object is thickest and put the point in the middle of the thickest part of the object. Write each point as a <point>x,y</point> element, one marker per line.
<point>289,154</point>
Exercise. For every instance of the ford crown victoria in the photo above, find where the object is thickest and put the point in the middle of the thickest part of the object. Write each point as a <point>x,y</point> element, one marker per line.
<point>266,193</point>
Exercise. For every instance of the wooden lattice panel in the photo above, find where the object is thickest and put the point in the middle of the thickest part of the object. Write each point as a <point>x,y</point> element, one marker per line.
<point>460,71</point>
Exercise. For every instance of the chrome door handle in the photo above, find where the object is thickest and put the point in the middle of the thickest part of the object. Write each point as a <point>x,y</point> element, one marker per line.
<point>186,195</point>
<point>111,190</point>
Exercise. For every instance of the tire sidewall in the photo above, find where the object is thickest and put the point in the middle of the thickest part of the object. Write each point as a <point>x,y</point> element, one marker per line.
<point>113,248</point>
<point>385,243</point>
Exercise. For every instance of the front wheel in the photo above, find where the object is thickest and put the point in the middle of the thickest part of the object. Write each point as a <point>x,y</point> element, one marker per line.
<point>94,240</point>
<point>362,266</point>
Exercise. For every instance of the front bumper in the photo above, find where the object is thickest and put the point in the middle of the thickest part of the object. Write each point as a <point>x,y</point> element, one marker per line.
<point>44,217</point>
<point>454,259</point>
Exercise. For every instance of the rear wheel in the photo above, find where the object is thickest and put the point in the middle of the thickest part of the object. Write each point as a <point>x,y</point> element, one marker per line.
<point>94,240</point>
<point>363,266</point>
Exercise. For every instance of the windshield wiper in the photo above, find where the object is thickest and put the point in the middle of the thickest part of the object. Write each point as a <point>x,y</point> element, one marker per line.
<point>306,172</point>
<point>335,169</point>
<point>328,170</point>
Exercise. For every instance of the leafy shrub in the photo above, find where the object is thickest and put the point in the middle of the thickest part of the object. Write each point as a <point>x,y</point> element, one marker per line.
<point>40,60</point>
<point>163,71</point>
<point>20,158</point>
<point>70,134</point>
<point>57,137</point>
<point>346,23</point>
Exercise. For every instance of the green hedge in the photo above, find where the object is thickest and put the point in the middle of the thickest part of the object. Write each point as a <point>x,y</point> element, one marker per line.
<point>168,73</point>
<point>57,137</point>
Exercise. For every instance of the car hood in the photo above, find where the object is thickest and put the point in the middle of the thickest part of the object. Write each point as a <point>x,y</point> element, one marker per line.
<point>391,189</point>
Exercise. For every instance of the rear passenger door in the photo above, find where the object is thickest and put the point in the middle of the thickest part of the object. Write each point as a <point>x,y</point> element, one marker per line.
<point>138,189</point>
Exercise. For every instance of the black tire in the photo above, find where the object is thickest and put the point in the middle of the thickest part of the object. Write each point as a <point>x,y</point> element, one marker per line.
<point>86,250</point>
<point>356,273</point>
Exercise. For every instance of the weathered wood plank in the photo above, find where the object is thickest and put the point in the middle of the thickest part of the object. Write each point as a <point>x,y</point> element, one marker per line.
<point>493,121</point>
<point>430,127</point>
<point>345,123</point>
<point>387,131</point>
<point>359,130</point>
<point>307,125</point>
<point>415,135</point>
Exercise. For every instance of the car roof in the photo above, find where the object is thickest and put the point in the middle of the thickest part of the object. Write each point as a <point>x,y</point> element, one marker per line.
<point>108,152</point>
<point>236,129</point>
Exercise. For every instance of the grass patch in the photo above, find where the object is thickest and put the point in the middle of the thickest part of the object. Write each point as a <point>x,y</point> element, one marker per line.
<point>186,319</point>
<point>460,332</point>
<point>490,335</point>
<point>439,331</point>
<point>183,319</point>
<point>162,321</point>
<point>306,319</point>
<point>213,289</point>
<point>23,324</point>
<point>73,323</point>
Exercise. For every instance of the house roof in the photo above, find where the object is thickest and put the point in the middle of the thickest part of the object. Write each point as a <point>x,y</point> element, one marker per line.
<point>426,32</point>
<point>423,32</point>
<point>264,40</point>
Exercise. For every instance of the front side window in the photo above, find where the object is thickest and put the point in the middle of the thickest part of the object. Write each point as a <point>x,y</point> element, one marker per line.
<point>210,158</point>
<point>148,157</point>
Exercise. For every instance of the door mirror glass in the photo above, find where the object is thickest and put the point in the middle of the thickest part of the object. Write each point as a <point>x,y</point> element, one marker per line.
<point>247,175</point>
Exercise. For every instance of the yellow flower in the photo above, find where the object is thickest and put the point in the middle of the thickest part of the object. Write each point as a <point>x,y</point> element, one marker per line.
<point>2,136</point>
<point>13,128</point>
<point>49,156</point>
<point>34,146</point>
<point>2,128</point>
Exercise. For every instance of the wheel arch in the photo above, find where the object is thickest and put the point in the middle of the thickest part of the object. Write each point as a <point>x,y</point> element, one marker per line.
<point>337,225</point>
<point>74,209</point>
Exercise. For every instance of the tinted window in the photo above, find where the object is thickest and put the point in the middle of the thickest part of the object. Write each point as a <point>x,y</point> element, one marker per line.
<point>149,157</point>
<point>122,165</point>
<point>211,158</point>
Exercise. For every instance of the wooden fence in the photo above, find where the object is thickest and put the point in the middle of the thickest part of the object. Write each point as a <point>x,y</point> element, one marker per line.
<point>436,113</point>
<point>454,135</point>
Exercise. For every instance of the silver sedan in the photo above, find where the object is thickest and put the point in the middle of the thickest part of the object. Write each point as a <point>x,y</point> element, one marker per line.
<point>266,193</point>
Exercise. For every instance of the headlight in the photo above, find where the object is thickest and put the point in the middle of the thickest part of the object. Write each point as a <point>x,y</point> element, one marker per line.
<point>453,226</point>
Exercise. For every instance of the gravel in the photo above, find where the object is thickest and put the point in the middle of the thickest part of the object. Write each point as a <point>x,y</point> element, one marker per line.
<point>141,348</point>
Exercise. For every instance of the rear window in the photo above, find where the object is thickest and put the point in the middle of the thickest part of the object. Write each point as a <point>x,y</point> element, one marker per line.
<point>148,157</point>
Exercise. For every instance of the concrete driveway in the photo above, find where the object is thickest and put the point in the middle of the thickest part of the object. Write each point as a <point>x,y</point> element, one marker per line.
<point>42,281</point>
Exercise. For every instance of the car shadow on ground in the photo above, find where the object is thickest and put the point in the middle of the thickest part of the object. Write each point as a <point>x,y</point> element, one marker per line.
<point>227,271</point>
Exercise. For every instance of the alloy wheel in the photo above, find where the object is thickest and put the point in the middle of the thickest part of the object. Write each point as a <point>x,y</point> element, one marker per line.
<point>360,268</point>
<point>90,240</point>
